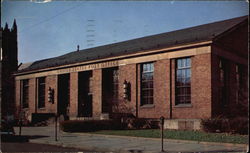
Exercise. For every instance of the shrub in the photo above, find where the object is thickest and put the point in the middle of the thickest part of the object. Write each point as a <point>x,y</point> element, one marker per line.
<point>234,125</point>
<point>217,124</point>
<point>140,123</point>
<point>239,125</point>
<point>89,125</point>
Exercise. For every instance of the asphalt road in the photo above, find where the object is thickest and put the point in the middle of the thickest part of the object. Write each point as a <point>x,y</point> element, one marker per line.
<point>33,147</point>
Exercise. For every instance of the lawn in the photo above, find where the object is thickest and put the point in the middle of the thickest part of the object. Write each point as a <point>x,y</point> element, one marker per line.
<point>178,134</point>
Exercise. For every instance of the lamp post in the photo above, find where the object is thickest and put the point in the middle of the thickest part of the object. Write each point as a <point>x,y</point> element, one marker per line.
<point>162,124</point>
<point>56,127</point>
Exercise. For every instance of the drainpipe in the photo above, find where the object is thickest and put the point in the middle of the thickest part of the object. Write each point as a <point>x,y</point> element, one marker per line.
<point>36,99</point>
<point>170,91</point>
<point>136,91</point>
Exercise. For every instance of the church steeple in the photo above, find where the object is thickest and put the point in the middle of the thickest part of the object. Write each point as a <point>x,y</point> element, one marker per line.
<point>14,27</point>
<point>6,27</point>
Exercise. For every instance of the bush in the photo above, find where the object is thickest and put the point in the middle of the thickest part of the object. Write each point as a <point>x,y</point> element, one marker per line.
<point>215,124</point>
<point>89,125</point>
<point>140,123</point>
<point>234,125</point>
<point>239,125</point>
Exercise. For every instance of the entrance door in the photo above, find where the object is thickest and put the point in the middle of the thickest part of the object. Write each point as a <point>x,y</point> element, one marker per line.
<point>109,89</point>
<point>63,94</point>
<point>85,94</point>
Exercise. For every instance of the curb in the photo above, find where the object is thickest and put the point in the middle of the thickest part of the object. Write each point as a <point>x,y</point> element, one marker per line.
<point>91,148</point>
<point>122,150</point>
<point>166,140</point>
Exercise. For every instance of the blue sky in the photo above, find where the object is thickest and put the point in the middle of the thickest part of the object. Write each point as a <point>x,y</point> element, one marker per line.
<point>51,29</point>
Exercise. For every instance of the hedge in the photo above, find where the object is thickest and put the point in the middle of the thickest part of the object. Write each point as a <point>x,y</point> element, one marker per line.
<point>233,125</point>
<point>89,125</point>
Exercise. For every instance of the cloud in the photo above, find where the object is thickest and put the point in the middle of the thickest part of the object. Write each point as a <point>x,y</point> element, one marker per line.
<point>40,1</point>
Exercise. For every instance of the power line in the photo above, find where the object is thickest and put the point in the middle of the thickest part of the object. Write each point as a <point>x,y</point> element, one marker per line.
<point>52,17</point>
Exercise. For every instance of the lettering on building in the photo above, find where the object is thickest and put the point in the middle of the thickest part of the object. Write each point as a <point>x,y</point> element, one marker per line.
<point>88,67</point>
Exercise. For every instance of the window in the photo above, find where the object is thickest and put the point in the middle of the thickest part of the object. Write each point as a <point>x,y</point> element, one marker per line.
<point>224,81</point>
<point>147,83</point>
<point>183,81</point>
<point>25,93</point>
<point>239,81</point>
<point>41,92</point>
<point>115,85</point>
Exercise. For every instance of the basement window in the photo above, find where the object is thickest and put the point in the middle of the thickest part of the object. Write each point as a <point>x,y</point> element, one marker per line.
<point>183,81</point>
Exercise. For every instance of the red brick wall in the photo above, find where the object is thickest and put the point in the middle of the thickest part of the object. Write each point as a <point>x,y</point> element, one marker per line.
<point>73,94</point>
<point>50,81</point>
<point>128,73</point>
<point>97,93</point>
<point>200,89</point>
<point>32,95</point>
<point>17,103</point>
<point>161,96</point>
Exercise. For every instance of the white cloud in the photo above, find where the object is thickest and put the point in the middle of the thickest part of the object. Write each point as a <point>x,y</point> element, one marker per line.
<point>40,1</point>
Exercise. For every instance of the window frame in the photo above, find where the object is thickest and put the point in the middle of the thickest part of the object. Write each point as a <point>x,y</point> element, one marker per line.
<point>41,92</point>
<point>115,85</point>
<point>147,93</point>
<point>25,93</point>
<point>183,89</point>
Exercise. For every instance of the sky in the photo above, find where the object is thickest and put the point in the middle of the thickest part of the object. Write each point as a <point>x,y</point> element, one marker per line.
<point>54,28</point>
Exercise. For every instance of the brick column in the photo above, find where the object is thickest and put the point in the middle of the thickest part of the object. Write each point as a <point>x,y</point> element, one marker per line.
<point>73,94</point>
<point>18,98</point>
<point>97,93</point>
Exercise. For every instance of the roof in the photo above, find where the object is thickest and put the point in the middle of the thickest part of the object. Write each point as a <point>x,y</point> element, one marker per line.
<point>169,39</point>
<point>25,65</point>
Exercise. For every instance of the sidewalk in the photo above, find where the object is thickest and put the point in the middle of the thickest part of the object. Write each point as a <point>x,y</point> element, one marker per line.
<point>104,143</point>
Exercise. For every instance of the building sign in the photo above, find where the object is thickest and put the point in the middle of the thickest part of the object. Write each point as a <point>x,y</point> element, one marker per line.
<point>88,67</point>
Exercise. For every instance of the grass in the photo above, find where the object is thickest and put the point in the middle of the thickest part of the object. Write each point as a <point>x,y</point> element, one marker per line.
<point>181,135</point>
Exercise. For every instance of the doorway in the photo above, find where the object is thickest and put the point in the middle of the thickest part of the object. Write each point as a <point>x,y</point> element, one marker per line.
<point>85,94</point>
<point>110,82</point>
<point>63,95</point>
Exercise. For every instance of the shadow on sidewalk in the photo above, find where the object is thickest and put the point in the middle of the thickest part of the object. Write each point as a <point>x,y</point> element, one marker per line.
<point>17,138</point>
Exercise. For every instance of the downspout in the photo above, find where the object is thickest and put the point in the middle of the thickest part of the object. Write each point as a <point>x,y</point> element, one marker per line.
<point>21,93</point>
<point>36,99</point>
<point>170,91</point>
<point>136,90</point>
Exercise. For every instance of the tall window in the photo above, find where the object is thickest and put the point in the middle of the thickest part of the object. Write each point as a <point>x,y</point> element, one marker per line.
<point>183,81</point>
<point>147,83</point>
<point>41,92</point>
<point>25,93</point>
<point>224,80</point>
<point>115,85</point>
<point>239,81</point>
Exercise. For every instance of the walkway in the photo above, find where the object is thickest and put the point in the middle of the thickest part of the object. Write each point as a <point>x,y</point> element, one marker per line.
<point>46,135</point>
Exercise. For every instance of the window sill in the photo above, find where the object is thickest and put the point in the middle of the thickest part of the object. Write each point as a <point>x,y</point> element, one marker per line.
<point>42,108</point>
<point>183,105</point>
<point>147,106</point>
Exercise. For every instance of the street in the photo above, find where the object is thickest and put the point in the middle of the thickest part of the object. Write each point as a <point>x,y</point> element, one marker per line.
<point>33,147</point>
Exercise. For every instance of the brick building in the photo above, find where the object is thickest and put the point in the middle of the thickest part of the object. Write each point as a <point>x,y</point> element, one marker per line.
<point>194,73</point>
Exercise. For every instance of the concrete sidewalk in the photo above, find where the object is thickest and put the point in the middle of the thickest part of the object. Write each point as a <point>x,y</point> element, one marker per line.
<point>104,143</point>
